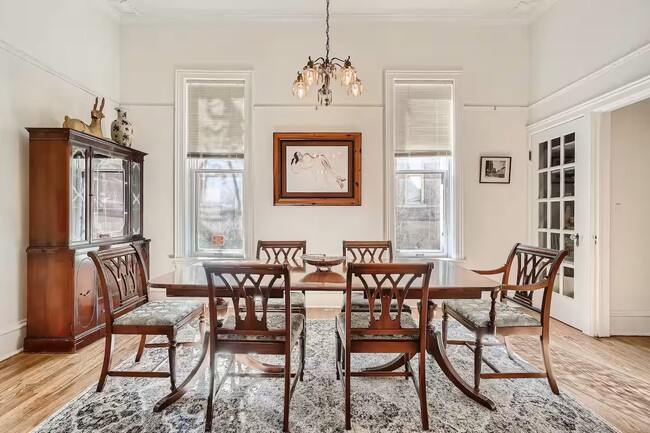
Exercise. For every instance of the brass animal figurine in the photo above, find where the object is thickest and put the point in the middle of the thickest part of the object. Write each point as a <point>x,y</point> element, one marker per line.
<point>95,127</point>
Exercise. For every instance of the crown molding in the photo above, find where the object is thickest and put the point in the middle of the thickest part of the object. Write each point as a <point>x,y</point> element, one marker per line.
<point>602,71</point>
<point>625,95</point>
<point>179,17</point>
<point>5,46</point>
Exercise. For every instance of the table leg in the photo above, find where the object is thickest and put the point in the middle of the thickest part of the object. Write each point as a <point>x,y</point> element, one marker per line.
<point>436,348</point>
<point>197,371</point>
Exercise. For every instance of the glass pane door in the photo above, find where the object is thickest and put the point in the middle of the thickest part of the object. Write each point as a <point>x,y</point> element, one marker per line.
<point>78,205</point>
<point>109,197</point>
<point>136,198</point>
<point>561,210</point>
<point>556,210</point>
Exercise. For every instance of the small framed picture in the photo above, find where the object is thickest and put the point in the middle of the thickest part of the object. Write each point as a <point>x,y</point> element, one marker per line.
<point>495,169</point>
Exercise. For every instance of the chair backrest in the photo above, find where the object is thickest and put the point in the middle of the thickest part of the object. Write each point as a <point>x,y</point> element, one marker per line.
<point>280,251</point>
<point>249,284</point>
<point>383,283</point>
<point>123,279</point>
<point>368,251</point>
<point>530,265</point>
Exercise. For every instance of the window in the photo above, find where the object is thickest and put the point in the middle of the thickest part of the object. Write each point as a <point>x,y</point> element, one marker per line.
<point>213,115</point>
<point>421,143</point>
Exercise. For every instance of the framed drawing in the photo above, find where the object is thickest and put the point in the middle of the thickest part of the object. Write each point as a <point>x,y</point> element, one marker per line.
<point>317,168</point>
<point>495,169</point>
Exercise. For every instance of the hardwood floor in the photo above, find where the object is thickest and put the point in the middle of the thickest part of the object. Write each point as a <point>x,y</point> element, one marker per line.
<point>609,375</point>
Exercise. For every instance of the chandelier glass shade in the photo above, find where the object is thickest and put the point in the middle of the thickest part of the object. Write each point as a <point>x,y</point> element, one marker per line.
<point>323,70</point>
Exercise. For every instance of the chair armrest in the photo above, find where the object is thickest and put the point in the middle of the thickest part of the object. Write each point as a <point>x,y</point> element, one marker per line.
<point>500,270</point>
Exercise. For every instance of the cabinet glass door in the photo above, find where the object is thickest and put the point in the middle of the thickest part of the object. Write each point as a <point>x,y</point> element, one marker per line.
<point>78,205</point>
<point>136,198</point>
<point>109,201</point>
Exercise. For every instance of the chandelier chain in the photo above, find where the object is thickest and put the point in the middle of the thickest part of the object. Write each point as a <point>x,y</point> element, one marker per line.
<point>327,29</point>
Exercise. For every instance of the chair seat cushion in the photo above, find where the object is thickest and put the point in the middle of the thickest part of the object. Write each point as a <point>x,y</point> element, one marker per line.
<point>362,320</point>
<point>159,313</point>
<point>477,312</point>
<point>359,303</point>
<point>274,322</point>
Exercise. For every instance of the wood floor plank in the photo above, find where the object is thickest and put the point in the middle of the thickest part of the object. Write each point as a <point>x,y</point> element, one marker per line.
<point>609,376</point>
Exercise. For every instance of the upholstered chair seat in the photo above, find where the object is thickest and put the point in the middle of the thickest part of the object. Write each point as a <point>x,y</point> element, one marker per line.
<point>477,312</point>
<point>159,313</point>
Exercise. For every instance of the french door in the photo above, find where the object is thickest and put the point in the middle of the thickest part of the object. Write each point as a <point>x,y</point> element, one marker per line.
<point>561,213</point>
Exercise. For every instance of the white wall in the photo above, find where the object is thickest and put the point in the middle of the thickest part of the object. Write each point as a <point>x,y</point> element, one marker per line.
<point>630,232</point>
<point>494,60</point>
<point>51,54</point>
<point>575,39</point>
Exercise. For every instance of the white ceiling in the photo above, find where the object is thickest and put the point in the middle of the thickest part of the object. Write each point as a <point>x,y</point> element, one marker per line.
<point>502,10</point>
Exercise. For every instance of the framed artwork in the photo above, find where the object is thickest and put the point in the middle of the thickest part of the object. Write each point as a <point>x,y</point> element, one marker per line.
<point>317,168</point>
<point>495,169</point>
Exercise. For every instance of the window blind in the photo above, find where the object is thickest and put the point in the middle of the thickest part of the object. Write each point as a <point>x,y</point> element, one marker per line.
<point>423,118</point>
<point>215,118</point>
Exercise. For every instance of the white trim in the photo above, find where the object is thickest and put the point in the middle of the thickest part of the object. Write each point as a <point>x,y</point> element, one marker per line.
<point>456,242</point>
<point>599,72</point>
<point>13,327</point>
<point>482,107</point>
<point>601,175</point>
<point>617,98</point>
<point>180,182</point>
<point>40,65</point>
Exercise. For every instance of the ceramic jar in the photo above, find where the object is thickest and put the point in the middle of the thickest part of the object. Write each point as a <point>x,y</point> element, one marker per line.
<point>121,129</point>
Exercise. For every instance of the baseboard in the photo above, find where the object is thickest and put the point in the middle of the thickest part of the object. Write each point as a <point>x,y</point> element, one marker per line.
<point>624,322</point>
<point>11,339</point>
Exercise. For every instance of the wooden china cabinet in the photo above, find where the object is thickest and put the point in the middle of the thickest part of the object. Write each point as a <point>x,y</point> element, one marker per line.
<point>85,194</point>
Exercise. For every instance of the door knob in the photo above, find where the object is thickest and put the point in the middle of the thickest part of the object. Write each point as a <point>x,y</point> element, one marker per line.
<point>575,238</point>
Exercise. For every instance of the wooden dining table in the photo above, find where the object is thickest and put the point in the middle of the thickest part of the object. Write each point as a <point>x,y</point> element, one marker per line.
<point>448,281</point>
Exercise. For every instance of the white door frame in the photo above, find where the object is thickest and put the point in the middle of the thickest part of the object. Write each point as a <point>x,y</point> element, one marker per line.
<point>598,111</point>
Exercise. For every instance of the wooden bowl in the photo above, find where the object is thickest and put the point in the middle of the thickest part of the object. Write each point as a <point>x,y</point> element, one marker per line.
<point>323,262</point>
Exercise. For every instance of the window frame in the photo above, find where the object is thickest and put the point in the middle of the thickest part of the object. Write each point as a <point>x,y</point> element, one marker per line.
<point>453,248</point>
<point>184,200</point>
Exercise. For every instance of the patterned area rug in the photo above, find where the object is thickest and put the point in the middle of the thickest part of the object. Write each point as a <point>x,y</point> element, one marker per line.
<point>378,404</point>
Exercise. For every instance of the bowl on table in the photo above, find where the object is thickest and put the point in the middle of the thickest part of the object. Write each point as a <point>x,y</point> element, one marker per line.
<point>323,262</point>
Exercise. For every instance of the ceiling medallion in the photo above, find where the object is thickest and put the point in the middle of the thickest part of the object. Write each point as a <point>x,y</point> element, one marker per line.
<point>323,70</point>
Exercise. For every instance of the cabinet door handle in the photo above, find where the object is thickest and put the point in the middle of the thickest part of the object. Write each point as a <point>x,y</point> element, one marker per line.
<point>85,294</point>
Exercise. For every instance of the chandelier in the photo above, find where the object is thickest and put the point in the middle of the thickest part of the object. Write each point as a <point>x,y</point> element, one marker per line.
<point>323,70</point>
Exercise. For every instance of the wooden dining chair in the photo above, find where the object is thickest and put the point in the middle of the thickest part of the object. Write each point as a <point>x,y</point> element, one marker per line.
<point>127,309</point>
<point>253,329</point>
<point>289,252</point>
<point>368,252</point>
<point>532,269</point>
<point>384,330</point>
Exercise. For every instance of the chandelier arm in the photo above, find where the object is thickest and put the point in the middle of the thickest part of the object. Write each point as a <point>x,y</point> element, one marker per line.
<point>320,59</point>
<point>335,59</point>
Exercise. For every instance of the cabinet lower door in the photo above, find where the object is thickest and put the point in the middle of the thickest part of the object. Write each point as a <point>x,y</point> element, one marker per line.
<point>85,282</point>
